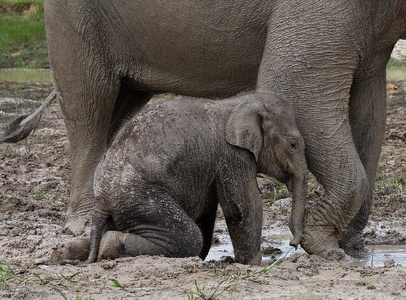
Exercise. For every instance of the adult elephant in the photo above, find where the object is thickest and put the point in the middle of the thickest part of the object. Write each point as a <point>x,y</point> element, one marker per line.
<point>327,58</point>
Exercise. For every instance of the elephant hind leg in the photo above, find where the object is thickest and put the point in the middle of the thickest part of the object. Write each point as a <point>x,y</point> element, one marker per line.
<point>128,103</point>
<point>166,230</point>
<point>115,244</point>
<point>367,118</point>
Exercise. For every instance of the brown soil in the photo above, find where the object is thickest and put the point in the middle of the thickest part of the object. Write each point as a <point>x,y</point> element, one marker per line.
<point>34,180</point>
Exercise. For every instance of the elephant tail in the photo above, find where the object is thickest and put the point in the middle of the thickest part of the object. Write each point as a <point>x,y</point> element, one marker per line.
<point>99,221</point>
<point>21,127</point>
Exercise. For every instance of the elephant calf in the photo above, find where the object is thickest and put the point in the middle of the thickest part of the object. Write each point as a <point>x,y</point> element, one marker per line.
<point>158,186</point>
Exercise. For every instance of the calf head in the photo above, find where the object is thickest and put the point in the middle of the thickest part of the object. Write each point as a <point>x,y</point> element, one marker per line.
<point>265,125</point>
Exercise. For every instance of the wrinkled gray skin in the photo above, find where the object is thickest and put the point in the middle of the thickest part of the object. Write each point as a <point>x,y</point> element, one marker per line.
<point>327,58</point>
<point>158,186</point>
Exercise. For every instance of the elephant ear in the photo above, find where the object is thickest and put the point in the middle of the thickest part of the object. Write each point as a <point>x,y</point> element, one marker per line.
<point>243,127</point>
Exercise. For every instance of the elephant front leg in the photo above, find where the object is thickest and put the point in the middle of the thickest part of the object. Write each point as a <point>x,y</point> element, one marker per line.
<point>242,207</point>
<point>338,168</point>
<point>317,83</point>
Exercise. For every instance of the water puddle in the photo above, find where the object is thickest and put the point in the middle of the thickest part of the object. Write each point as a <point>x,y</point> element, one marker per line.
<point>279,239</point>
<point>26,75</point>
<point>382,253</point>
<point>275,244</point>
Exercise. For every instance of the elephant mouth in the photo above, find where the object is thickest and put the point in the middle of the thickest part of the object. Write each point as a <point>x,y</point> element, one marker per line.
<point>289,185</point>
<point>285,178</point>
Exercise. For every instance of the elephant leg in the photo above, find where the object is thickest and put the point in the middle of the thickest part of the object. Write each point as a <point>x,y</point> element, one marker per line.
<point>242,207</point>
<point>318,86</point>
<point>87,90</point>
<point>115,244</point>
<point>206,225</point>
<point>87,118</point>
<point>167,231</point>
<point>91,122</point>
<point>74,250</point>
<point>333,159</point>
<point>93,101</point>
<point>367,119</point>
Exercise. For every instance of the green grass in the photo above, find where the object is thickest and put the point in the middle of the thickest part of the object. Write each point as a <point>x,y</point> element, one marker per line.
<point>396,64</point>
<point>279,191</point>
<point>116,284</point>
<point>394,188</point>
<point>22,34</point>
<point>6,274</point>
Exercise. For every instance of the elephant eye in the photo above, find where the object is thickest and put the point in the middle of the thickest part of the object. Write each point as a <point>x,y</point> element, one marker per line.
<point>293,144</point>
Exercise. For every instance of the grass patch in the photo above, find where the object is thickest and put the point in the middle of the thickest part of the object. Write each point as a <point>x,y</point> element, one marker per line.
<point>22,34</point>
<point>217,290</point>
<point>6,274</point>
<point>396,64</point>
<point>116,284</point>
<point>394,189</point>
<point>279,191</point>
<point>7,277</point>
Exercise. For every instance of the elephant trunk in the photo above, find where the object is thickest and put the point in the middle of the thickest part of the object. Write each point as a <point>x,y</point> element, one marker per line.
<point>298,187</point>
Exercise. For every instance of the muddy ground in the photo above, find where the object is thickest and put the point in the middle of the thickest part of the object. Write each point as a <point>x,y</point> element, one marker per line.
<point>34,185</point>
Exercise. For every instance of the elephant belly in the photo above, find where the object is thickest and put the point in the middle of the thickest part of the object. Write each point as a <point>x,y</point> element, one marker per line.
<point>207,50</point>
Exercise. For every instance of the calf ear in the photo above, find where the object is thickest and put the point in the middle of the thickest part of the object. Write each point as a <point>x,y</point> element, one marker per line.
<point>244,129</point>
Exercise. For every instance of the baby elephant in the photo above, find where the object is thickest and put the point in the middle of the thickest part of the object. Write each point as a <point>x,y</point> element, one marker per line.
<point>158,186</point>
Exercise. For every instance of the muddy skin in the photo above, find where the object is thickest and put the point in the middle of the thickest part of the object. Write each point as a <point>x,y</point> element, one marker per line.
<point>161,181</point>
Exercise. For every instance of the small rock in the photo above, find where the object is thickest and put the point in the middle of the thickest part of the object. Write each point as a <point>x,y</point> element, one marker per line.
<point>108,264</point>
<point>271,251</point>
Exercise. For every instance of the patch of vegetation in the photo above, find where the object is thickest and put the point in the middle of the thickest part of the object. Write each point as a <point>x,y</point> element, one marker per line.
<point>116,284</point>
<point>22,34</point>
<point>396,64</point>
<point>279,191</point>
<point>36,92</point>
<point>227,276</point>
<point>6,275</point>
<point>217,290</point>
<point>394,189</point>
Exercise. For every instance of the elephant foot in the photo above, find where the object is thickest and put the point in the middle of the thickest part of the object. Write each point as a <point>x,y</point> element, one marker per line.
<point>354,245</point>
<point>78,225</point>
<point>320,239</point>
<point>75,250</point>
<point>112,245</point>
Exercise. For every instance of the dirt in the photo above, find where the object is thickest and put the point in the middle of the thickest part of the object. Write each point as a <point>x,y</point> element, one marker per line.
<point>34,180</point>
